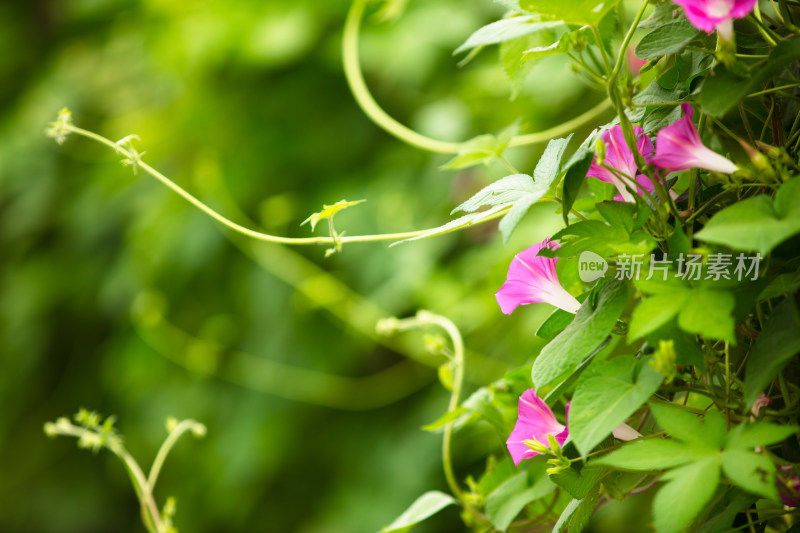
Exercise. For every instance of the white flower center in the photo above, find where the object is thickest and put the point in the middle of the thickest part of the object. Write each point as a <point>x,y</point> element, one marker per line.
<point>719,8</point>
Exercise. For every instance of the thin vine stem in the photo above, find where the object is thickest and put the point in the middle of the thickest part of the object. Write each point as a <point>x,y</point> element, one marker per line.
<point>174,434</point>
<point>370,107</point>
<point>426,318</point>
<point>257,235</point>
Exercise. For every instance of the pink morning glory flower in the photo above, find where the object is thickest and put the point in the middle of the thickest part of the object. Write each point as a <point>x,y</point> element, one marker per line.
<point>619,157</point>
<point>533,279</point>
<point>710,15</point>
<point>536,421</point>
<point>678,147</point>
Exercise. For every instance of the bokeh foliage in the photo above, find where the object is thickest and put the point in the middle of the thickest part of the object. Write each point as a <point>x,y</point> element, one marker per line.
<point>118,296</point>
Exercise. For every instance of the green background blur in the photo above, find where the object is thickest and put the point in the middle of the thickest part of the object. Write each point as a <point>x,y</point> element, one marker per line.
<point>118,296</point>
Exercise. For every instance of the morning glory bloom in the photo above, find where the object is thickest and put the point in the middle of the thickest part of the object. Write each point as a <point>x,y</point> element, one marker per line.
<point>710,15</point>
<point>619,157</point>
<point>678,147</point>
<point>533,279</point>
<point>535,422</point>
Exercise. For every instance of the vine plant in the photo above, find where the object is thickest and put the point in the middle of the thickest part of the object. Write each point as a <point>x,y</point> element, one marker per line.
<point>676,368</point>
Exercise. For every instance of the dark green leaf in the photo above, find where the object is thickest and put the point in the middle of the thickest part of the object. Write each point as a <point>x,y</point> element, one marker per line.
<point>783,284</point>
<point>756,224</point>
<point>592,324</point>
<point>776,345</point>
<point>577,513</point>
<point>505,503</point>
<point>573,179</point>
<point>724,90</point>
<point>607,393</point>
<point>668,39</point>
<point>578,480</point>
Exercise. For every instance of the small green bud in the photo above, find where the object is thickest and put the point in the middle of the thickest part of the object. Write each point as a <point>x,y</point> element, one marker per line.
<point>171,423</point>
<point>434,344</point>
<point>59,129</point>
<point>600,150</point>
<point>536,446</point>
<point>664,359</point>
<point>50,430</point>
<point>199,430</point>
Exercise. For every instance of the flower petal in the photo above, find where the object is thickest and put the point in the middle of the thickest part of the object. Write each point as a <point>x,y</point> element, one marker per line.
<point>535,422</point>
<point>532,279</point>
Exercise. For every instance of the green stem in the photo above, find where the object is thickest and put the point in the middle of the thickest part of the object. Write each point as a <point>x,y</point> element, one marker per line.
<point>367,103</point>
<point>601,46</point>
<point>257,235</point>
<point>181,428</point>
<point>424,318</point>
<point>355,78</point>
<point>626,41</point>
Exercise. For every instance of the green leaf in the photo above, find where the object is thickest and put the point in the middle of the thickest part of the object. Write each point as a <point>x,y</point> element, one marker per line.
<point>654,312</point>
<point>328,211</point>
<point>591,235</point>
<point>574,178</point>
<point>578,480</point>
<point>664,13</point>
<point>423,507</point>
<point>668,39</point>
<point>652,454</point>
<point>686,347</point>
<point>756,224</point>
<point>681,424</point>
<point>689,488</point>
<point>442,421</point>
<point>655,94</point>
<point>592,324</point>
<point>549,165</point>
<point>567,383</point>
<point>751,471</point>
<point>505,30</point>
<point>503,192</point>
<point>555,324</point>
<point>724,514</point>
<point>577,514</point>
<point>505,502</point>
<point>575,11</point>
<point>660,117</point>
<point>618,214</point>
<point>709,313</point>
<point>749,436</point>
<point>607,393</point>
<point>559,47</point>
<point>482,149</point>
<point>454,225</point>
<point>700,310</point>
<point>724,90</point>
<point>783,284</point>
<point>520,190</point>
<point>776,345</point>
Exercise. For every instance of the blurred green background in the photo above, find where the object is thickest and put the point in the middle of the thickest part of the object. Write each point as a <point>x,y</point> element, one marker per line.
<point>118,296</point>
